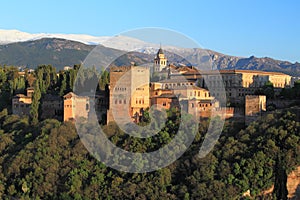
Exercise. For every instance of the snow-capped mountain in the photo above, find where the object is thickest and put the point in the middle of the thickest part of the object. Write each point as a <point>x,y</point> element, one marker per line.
<point>12,36</point>
<point>120,42</point>
<point>60,50</point>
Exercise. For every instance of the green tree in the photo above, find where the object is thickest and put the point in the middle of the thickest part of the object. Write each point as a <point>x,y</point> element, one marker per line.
<point>34,111</point>
<point>63,86</point>
<point>104,79</point>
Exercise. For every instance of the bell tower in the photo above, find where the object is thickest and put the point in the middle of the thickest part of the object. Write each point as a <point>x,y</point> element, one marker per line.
<point>160,61</point>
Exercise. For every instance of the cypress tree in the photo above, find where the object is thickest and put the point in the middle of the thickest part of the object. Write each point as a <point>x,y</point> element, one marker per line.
<point>34,111</point>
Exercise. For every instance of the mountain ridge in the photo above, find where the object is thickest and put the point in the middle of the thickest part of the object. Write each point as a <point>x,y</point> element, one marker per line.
<point>62,52</point>
<point>13,36</point>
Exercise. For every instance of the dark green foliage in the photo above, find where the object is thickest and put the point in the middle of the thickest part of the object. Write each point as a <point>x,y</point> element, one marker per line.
<point>11,83</point>
<point>34,111</point>
<point>48,161</point>
<point>292,93</point>
<point>63,85</point>
<point>267,89</point>
<point>104,79</point>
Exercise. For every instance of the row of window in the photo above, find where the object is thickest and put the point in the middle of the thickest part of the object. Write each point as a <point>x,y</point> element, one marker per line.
<point>216,83</point>
<point>70,106</point>
<point>195,93</point>
<point>246,90</point>
<point>244,94</point>
<point>123,101</point>
<point>201,105</point>
<point>245,84</point>
<point>22,105</point>
<point>120,89</point>
<point>170,85</point>
<point>120,101</point>
<point>161,62</point>
<point>139,101</point>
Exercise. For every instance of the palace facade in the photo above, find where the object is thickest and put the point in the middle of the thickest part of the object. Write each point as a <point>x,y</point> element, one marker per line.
<point>239,83</point>
<point>130,93</point>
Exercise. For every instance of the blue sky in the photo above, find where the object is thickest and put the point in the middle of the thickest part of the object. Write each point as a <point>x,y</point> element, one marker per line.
<point>241,28</point>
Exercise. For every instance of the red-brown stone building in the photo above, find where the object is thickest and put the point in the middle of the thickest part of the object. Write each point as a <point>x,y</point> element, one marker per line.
<point>75,106</point>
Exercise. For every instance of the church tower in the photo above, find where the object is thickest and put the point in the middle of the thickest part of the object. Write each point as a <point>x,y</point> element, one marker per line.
<point>160,61</point>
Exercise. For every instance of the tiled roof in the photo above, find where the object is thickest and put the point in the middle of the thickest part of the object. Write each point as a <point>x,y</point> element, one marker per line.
<point>166,96</point>
<point>21,96</point>
<point>176,80</point>
<point>186,87</point>
<point>233,71</point>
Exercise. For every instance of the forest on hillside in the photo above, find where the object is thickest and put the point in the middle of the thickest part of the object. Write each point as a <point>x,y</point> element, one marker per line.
<point>47,160</point>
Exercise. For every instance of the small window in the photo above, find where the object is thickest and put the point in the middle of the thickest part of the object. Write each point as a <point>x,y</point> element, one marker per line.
<point>164,103</point>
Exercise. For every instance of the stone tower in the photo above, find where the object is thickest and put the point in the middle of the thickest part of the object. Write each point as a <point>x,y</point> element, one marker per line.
<point>128,93</point>
<point>160,61</point>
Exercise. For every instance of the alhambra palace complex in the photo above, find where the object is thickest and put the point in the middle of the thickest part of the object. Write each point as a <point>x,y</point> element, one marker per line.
<point>130,94</point>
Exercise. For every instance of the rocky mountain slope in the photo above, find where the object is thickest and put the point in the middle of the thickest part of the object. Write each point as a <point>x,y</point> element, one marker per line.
<point>62,52</point>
